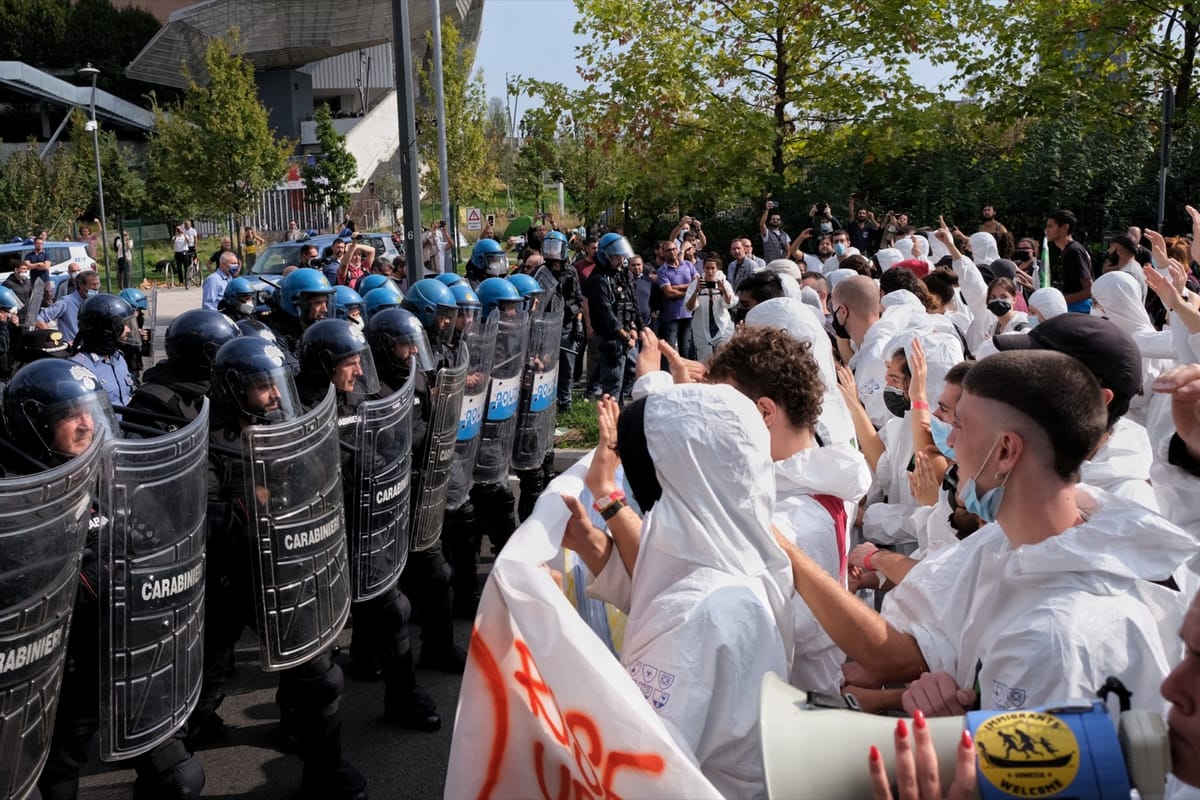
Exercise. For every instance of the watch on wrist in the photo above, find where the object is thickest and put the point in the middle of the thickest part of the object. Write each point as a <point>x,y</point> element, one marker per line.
<point>602,504</point>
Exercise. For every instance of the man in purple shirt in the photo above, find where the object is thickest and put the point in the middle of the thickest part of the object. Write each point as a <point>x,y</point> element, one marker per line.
<point>675,321</point>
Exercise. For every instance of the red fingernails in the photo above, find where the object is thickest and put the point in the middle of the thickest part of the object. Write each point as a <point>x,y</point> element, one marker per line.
<point>874,756</point>
<point>902,729</point>
<point>967,744</point>
<point>919,719</point>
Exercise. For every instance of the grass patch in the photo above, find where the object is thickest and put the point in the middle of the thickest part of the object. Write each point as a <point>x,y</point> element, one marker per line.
<point>579,427</point>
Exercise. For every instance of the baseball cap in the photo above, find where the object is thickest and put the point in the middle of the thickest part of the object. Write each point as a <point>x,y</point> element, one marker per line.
<point>1106,350</point>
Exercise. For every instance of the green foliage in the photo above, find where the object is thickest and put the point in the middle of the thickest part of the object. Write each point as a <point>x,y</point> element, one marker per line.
<point>124,186</point>
<point>212,153</point>
<point>36,194</point>
<point>471,177</point>
<point>331,176</point>
<point>63,35</point>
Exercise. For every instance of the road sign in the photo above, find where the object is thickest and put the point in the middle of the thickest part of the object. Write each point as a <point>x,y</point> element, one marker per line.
<point>474,220</point>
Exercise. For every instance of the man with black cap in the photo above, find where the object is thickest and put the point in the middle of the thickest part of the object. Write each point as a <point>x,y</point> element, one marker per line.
<point>1122,255</point>
<point>1121,464</point>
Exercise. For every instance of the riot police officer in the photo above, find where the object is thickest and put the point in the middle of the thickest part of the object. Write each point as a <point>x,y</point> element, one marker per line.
<point>53,410</point>
<point>252,384</point>
<point>426,578</point>
<point>10,330</point>
<point>333,352</point>
<point>612,307</point>
<point>348,305</point>
<point>304,298</point>
<point>384,297</point>
<point>238,301</point>
<point>554,251</point>
<point>536,425</point>
<point>105,323</point>
<point>139,345</point>
<point>173,390</point>
<point>488,260</point>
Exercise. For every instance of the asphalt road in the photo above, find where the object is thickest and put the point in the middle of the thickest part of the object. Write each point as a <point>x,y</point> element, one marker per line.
<point>398,763</point>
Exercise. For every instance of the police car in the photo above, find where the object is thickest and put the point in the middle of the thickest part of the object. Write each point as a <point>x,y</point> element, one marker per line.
<point>62,254</point>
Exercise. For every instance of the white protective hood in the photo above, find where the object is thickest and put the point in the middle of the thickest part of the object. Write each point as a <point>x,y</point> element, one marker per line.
<point>1049,302</point>
<point>902,297</point>
<point>903,246</point>
<point>801,322</point>
<point>1120,299</point>
<point>1122,464</point>
<point>888,257</point>
<point>710,607</point>
<point>837,276</point>
<point>942,351</point>
<point>983,249</point>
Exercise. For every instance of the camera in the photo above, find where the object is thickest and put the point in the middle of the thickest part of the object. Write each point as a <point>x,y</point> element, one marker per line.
<point>708,284</point>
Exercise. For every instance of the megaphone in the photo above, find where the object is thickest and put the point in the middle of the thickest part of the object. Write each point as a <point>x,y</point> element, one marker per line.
<point>812,753</point>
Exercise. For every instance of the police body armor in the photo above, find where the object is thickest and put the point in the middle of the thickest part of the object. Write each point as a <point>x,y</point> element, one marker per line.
<point>300,564</point>
<point>539,386</point>
<point>44,521</point>
<point>379,515</point>
<point>152,587</point>
<point>480,344</point>
<point>433,484</point>
<point>504,397</point>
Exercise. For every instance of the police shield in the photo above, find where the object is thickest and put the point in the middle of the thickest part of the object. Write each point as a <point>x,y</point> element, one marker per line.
<point>151,323</point>
<point>377,511</point>
<point>300,570</point>
<point>43,526</point>
<point>433,480</point>
<point>546,279</point>
<point>539,387</point>
<point>152,593</point>
<point>504,397</point>
<point>481,349</point>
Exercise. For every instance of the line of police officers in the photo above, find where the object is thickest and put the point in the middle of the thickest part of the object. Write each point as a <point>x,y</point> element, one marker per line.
<point>285,471</point>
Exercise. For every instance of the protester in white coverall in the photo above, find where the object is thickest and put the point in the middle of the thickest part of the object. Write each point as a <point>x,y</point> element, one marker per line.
<point>1049,600</point>
<point>817,488</point>
<point>709,598</point>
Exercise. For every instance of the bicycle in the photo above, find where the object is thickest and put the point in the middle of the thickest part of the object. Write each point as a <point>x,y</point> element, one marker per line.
<point>193,276</point>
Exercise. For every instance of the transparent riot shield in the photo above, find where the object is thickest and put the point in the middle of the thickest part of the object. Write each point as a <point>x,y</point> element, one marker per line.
<point>153,493</point>
<point>43,526</point>
<point>446,402</point>
<point>539,388</point>
<point>546,279</point>
<point>377,516</point>
<point>151,323</point>
<point>300,570</point>
<point>504,397</point>
<point>481,348</point>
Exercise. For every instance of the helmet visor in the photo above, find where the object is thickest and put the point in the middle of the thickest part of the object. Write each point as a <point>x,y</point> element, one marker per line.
<point>266,396</point>
<point>414,344</point>
<point>554,250</point>
<point>68,428</point>
<point>355,373</point>
<point>495,264</point>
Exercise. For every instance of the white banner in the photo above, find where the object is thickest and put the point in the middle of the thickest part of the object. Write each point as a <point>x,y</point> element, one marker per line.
<point>545,709</point>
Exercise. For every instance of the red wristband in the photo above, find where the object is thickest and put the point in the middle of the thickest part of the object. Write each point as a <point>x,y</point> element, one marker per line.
<point>920,404</point>
<point>867,561</point>
<point>613,497</point>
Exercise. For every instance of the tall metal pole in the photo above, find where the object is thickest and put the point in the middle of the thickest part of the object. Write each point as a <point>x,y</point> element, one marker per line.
<point>1164,154</point>
<point>439,94</point>
<point>95,73</point>
<point>406,111</point>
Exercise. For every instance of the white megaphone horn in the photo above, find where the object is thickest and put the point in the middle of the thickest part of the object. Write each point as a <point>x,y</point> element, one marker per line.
<point>821,754</point>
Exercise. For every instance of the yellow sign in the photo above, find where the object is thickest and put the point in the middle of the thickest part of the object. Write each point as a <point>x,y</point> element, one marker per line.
<point>1027,753</point>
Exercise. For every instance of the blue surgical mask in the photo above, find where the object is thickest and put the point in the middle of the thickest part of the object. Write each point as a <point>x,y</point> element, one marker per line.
<point>839,248</point>
<point>93,292</point>
<point>941,436</point>
<point>234,270</point>
<point>988,506</point>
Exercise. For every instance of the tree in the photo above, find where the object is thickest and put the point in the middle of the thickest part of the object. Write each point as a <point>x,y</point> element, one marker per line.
<point>36,194</point>
<point>471,177</point>
<point>124,185</point>
<point>214,153</point>
<point>331,175</point>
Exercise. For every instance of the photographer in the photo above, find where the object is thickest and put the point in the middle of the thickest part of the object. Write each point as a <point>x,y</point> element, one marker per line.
<point>709,298</point>
<point>775,240</point>
<point>689,225</point>
<point>821,219</point>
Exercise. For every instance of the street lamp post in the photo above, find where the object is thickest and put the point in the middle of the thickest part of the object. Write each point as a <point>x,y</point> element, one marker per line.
<point>94,127</point>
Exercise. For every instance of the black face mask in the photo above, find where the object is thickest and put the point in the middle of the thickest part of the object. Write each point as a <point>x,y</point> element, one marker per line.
<point>1113,258</point>
<point>999,307</point>
<point>895,401</point>
<point>839,328</point>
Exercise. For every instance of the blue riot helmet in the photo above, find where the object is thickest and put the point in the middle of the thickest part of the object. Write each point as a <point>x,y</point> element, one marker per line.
<point>335,351</point>
<point>531,291</point>
<point>238,298</point>
<point>54,408</point>
<point>347,304</point>
<point>450,278</point>
<point>368,283</point>
<point>379,299</point>
<point>306,295</point>
<point>253,377</point>
<point>135,298</point>
<point>498,293</point>
<point>488,260</point>
<point>9,301</point>
<point>554,246</point>
<point>435,306</point>
<point>395,336</point>
<point>470,310</point>
<point>613,251</point>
